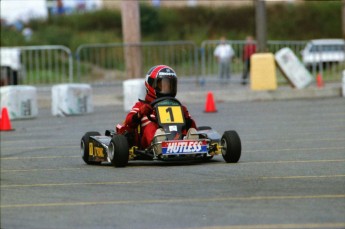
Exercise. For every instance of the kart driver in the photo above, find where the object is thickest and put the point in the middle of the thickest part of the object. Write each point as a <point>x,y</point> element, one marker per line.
<point>161,81</point>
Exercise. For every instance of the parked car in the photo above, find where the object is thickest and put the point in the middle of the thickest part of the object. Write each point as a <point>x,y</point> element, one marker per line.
<point>323,51</point>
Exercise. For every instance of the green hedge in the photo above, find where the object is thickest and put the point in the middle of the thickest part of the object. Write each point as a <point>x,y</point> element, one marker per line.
<point>304,21</point>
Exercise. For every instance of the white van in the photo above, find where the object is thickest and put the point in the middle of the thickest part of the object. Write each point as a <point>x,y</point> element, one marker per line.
<point>323,51</point>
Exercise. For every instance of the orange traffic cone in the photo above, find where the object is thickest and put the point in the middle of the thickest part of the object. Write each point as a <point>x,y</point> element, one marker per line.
<point>319,81</point>
<point>5,123</point>
<point>210,106</point>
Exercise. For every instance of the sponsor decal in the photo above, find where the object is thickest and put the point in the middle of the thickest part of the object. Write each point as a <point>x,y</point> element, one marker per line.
<point>95,151</point>
<point>82,104</point>
<point>98,152</point>
<point>173,128</point>
<point>26,107</point>
<point>90,148</point>
<point>167,74</point>
<point>168,102</point>
<point>184,147</point>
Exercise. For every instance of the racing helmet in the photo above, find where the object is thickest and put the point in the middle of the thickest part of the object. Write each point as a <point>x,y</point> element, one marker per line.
<point>161,81</point>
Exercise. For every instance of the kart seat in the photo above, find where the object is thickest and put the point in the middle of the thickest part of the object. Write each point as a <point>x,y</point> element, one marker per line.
<point>192,134</point>
<point>159,137</point>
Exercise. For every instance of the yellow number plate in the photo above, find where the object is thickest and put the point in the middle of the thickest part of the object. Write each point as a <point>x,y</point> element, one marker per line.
<point>170,114</point>
<point>90,149</point>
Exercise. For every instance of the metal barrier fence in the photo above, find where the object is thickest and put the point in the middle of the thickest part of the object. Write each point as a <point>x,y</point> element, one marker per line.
<point>209,65</point>
<point>36,65</point>
<point>106,62</point>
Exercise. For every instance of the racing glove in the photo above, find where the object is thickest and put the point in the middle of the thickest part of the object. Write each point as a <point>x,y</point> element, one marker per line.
<point>145,109</point>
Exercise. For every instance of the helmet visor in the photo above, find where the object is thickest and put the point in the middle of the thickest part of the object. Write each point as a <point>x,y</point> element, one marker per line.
<point>166,86</point>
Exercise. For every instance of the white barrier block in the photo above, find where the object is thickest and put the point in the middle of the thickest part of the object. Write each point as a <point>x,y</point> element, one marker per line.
<point>71,99</point>
<point>10,57</point>
<point>293,69</point>
<point>20,100</point>
<point>133,90</point>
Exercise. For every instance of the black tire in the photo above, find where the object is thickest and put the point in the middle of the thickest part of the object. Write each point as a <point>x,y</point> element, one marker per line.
<point>231,146</point>
<point>118,151</point>
<point>84,147</point>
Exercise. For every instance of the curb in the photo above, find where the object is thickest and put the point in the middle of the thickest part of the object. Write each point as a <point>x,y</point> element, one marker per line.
<point>113,95</point>
<point>283,93</point>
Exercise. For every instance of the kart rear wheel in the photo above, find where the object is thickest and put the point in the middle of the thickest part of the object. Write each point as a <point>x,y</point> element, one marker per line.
<point>231,146</point>
<point>118,151</point>
<point>84,147</point>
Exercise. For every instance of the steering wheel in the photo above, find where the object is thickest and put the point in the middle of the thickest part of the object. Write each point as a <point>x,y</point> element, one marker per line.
<point>154,102</point>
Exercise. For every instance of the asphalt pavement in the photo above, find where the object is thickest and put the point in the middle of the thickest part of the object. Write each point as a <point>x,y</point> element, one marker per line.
<point>291,173</point>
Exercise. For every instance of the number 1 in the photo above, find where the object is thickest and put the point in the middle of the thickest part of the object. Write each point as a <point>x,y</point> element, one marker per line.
<point>169,110</point>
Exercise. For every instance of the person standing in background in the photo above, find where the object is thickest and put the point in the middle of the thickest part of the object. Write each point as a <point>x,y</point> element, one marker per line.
<point>224,54</point>
<point>27,33</point>
<point>60,7</point>
<point>248,50</point>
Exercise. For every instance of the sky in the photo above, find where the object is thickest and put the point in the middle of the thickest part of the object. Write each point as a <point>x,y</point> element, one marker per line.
<point>12,10</point>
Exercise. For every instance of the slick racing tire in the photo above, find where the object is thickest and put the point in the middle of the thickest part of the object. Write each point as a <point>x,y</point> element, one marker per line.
<point>118,151</point>
<point>84,147</point>
<point>231,146</point>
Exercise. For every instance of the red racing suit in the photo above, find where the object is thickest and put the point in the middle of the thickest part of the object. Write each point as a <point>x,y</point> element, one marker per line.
<point>147,127</point>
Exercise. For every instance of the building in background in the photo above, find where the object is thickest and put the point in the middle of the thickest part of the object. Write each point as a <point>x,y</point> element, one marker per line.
<point>72,6</point>
<point>17,12</point>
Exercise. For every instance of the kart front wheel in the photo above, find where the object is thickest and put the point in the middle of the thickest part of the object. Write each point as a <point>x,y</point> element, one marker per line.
<point>231,146</point>
<point>118,151</point>
<point>84,147</point>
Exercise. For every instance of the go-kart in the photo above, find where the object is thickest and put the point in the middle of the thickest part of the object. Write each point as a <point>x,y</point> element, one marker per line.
<point>169,145</point>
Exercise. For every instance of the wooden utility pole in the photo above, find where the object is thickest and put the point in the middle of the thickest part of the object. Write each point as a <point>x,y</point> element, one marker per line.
<point>130,15</point>
<point>343,18</point>
<point>260,24</point>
